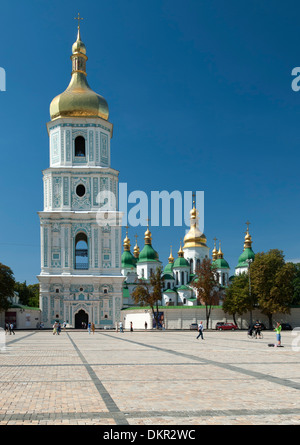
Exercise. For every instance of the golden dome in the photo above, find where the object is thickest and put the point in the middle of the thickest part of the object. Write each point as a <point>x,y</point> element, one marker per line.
<point>136,250</point>
<point>194,237</point>
<point>214,252</point>
<point>171,258</point>
<point>126,242</point>
<point>148,236</point>
<point>248,240</point>
<point>220,253</point>
<point>78,46</point>
<point>79,100</point>
<point>194,212</point>
<point>180,251</point>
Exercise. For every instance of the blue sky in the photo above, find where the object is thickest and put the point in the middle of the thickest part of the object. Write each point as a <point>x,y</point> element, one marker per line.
<point>200,97</point>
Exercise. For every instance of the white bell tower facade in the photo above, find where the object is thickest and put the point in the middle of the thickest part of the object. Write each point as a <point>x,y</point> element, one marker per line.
<point>80,279</point>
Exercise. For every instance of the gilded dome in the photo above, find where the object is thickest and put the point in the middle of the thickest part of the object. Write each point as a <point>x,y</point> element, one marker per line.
<point>194,237</point>
<point>79,100</point>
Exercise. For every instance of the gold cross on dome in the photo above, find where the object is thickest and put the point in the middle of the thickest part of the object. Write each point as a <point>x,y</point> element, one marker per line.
<point>78,18</point>
<point>247,223</point>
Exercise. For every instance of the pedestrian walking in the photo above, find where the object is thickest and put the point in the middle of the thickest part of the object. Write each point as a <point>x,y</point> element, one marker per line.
<point>146,325</point>
<point>58,328</point>
<point>131,327</point>
<point>93,328</point>
<point>6,328</point>
<point>11,328</point>
<point>200,329</point>
<point>121,326</point>
<point>89,327</point>
<point>55,328</point>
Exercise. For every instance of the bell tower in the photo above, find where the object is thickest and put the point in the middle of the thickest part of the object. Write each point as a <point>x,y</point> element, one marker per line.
<point>80,224</point>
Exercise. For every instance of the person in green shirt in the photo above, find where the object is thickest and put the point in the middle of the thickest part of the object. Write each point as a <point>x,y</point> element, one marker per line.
<point>278,333</point>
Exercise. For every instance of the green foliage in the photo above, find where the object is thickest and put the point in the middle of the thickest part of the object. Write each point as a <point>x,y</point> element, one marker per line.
<point>28,294</point>
<point>206,285</point>
<point>296,284</point>
<point>7,283</point>
<point>149,293</point>
<point>237,296</point>
<point>273,282</point>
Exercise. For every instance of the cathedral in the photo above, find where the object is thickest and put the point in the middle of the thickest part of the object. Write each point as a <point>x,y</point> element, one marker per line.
<point>84,275</point>
<point>179,273</point>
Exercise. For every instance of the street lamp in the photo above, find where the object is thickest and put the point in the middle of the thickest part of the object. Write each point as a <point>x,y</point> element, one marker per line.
<point>249,261</point>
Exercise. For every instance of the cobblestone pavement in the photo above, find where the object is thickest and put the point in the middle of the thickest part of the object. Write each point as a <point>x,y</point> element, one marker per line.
<point>149,378</point>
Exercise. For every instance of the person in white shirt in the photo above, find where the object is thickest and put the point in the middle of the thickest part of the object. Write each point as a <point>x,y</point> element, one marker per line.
<point>200,329</point>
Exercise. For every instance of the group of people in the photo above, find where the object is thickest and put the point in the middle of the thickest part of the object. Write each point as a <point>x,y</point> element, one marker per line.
<point>257,328</point>
<point>121,328</point>
<point>57,327</point>
<point>91,327</point>
<point>9,328</point>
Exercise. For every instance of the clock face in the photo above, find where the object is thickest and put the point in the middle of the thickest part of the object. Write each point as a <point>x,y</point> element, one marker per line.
<point>80,190</point>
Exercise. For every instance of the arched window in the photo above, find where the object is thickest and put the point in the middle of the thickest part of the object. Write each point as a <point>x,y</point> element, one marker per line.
<point>80,146</point>
<point>176,278</point>
<point>198,263</point>
<point>192,265</point>
<point>169,285</point>
<point>81,251</point>
<point>182,277</point>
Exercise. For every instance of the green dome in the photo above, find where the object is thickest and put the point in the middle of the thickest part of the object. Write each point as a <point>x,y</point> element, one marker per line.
<point>128,261</point>
<point>168,269</point>
<point>148,254</point>
<point>181,262</point>
<point>248,254</point>
<point>220,263</point>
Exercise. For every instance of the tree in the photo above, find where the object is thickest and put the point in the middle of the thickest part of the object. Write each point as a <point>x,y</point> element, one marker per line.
<point>237,297</point>
<point>207,287</point>
<point>7,285</point>
<point>28,294</point>
<point>34,291</point>
<point>23,292</point>
<point>272,281</point>
<point>296,284</point>
<point>149,293</point>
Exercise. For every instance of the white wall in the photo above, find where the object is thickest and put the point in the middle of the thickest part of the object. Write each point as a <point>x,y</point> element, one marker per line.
<point>178,318</point>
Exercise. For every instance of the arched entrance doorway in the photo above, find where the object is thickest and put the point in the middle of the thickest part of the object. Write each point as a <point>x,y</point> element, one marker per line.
<point>80,318</point>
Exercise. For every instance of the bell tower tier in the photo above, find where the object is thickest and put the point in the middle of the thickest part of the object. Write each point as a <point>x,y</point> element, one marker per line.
<point>80,225</point>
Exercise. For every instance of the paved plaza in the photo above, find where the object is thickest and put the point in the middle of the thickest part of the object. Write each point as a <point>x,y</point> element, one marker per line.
<point>148,378</point>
